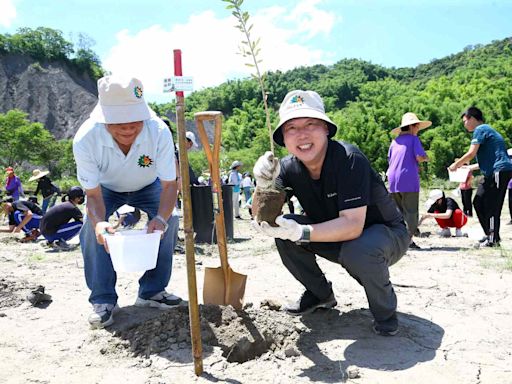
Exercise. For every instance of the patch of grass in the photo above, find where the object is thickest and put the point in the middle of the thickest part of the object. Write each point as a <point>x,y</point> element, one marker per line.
<point>36,257</point>
<point>506,254</point>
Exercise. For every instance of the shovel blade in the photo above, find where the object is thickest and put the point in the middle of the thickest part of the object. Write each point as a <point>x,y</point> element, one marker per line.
<point>214,289</point>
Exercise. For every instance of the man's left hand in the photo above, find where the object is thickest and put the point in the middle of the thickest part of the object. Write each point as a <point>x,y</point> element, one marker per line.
<point>287,229</point>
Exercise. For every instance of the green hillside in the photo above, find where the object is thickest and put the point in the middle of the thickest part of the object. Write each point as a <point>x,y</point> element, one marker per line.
<point>368,100</point>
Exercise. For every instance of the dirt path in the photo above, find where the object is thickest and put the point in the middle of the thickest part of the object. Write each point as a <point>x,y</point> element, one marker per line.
<point>454,309</point>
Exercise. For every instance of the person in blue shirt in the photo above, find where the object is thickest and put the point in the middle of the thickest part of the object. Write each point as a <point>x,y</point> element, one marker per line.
<point>489,148</point>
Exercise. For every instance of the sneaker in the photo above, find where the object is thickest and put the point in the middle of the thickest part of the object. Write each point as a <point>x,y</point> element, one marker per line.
<point>161,300</point>
<point>309,303</point>
<point>62,245</point>
<point>487,243</point>
<point>387,327</point>
<point>459,233</point>
<point>413,245</point>
<point>33,235</point>
<point>483,239</point>
<point>102,316</point>
<point>445,232</point>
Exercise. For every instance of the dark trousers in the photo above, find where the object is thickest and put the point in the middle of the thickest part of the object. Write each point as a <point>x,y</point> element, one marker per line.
<point>510,203</point>
<point>366,259</point>
<point>488,203</point>
<point>467,206</point>
<point>408,203</point>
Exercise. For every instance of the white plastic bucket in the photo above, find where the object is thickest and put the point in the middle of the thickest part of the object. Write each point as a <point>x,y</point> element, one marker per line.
<point>134,250</point>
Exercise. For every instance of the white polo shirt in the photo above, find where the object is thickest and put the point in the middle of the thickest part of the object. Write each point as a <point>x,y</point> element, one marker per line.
<point>99,160</point>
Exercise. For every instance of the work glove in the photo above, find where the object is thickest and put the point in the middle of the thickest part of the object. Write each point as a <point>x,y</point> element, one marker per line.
<point>266,170</point>
<point>287,229</point>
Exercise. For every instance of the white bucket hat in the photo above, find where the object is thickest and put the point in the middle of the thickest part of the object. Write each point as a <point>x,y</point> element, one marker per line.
<point>433,196</point>
<point>120,100</point>
<point>37,174</point>
<point>235,164</point>
<point>190,135</point>
<point>410,118</point>
<point>301,103</point>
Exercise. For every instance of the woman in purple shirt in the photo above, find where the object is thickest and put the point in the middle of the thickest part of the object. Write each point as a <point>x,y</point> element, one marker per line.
<point>404,155</point>
<point>13,185</point>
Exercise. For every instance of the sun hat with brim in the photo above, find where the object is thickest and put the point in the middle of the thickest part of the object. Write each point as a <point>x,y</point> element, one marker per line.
<point>120,101</point>
<point>123,209</point>
<point>410,118</point>
<point>297,104</point>
<point>433,196</point>
<point>190,135</point>
<point>235,164</point>
<point>37,174</point>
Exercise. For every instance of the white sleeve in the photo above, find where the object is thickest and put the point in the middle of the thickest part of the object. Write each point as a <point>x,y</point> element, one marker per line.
<point>165,161</point>
<point>87,169</point>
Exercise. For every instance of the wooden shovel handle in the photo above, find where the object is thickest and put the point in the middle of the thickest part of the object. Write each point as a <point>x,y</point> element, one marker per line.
<point>213,160</point>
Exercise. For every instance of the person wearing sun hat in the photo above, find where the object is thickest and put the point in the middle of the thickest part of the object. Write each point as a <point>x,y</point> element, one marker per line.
<point>235,178</point>
<point>13,186</point>
<point>349,219</point>
<point>48,190</point>
<point>125,155</point>
<point>404,156</point>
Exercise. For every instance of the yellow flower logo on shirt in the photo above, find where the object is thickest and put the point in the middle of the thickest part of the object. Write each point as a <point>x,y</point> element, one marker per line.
<point>144,161</point>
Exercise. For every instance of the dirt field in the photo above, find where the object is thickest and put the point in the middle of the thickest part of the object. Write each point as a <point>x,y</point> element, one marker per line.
<point>455,306</point>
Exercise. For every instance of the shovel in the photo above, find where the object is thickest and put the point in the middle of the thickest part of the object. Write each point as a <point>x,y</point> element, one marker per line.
<point>222,285</point>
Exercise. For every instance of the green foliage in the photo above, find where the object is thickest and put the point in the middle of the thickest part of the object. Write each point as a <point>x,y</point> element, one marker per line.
<point>46,44</point>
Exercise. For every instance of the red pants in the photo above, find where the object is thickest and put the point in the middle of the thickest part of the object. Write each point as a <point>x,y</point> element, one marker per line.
<point>458,220</point>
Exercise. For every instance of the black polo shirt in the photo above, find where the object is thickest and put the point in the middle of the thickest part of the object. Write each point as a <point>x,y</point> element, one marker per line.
<point>445,205</point>
<point>347,181</point>
<point>58,215</point>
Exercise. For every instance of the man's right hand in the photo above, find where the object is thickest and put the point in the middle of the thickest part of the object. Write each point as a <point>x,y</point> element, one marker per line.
<point>266,170</point>
<point>101,229</point>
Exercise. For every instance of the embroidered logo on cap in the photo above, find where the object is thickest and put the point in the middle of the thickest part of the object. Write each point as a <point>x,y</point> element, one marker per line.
<point>137,91</point>
<point>144,161</point>
<point>297,100</point>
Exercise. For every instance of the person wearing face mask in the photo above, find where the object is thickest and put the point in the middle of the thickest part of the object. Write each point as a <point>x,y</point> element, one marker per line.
<point>56,225</point>
<point>13,186</point>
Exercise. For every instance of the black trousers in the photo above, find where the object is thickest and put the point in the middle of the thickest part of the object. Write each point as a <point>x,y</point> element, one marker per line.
<point>488,203</point>
<point>367,259</point>
<point>510,203</point>
<point>466,195</point>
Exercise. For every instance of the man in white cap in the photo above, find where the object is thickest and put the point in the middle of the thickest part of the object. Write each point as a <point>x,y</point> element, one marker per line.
<point>349,219</point>
<point>125,155</point>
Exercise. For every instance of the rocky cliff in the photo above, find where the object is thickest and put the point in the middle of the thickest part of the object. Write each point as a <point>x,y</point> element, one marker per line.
<point>51,93</point>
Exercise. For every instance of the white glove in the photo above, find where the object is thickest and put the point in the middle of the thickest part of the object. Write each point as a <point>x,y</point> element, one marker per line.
<point>266,170</point>
<point>287,229</point>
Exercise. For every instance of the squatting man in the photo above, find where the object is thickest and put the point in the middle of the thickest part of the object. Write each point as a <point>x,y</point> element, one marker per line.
<point>350,218</point>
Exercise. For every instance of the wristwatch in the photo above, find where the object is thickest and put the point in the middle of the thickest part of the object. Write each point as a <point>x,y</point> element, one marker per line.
<point>306,234</point>
<point>163,221</point>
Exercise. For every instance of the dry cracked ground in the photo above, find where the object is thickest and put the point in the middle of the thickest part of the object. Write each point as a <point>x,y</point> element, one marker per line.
<point>454,309</point>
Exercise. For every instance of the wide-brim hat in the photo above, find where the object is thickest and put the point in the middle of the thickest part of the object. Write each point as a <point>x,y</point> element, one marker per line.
<point>37,174</point>
<point>123,209</point>
<point>298,104</point>
<point>433,196</point>
<point>235,164</point>
<point>120,100</point>
<point>190,135</point>
<point>410,118</point>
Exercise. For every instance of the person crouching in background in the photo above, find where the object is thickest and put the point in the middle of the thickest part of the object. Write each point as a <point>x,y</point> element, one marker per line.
<point>56,226</point>
<point>446,212</point>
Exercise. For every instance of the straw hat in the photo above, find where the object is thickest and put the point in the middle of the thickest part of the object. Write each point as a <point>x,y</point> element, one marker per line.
<point>120,101</point>
<point>37,174</point>
<point>410,118</point>
<point>301,103</point>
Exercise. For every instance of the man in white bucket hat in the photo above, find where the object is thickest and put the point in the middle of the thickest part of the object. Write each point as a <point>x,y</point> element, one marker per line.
<point>349,218</point>
<point>404,156</point>
<point>125,155</point>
